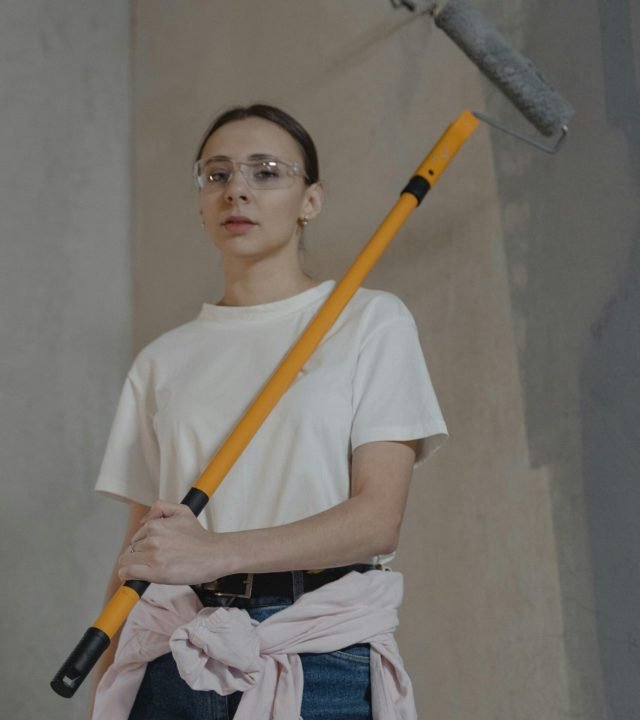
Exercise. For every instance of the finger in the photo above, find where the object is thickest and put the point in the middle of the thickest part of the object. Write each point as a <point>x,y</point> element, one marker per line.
<point>153,527</point>
<point>139,543</point>
<point>135,571</point>
<point>157,510</point>
<point>140,555</point>
<point>162,509</point>
<point>125,559</point>
<point>137,538</point>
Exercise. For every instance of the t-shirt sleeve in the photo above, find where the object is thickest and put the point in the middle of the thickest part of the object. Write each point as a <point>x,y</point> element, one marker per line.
<point>393,396</point>
<point>130,465</point>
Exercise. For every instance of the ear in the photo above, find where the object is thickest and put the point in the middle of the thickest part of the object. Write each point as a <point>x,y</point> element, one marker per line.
<point>313,199</point>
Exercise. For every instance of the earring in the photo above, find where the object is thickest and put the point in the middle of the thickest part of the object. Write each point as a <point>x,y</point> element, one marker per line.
<point>202,224</point>
<point>303,221</point>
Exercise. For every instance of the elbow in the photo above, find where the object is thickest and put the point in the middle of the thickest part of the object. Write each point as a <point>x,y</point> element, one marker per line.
<point>385,549</point>
<point>379,526</point>
<point>387,541</point>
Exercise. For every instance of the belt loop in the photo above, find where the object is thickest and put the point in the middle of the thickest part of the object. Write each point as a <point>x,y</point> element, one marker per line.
<point>298,584</point>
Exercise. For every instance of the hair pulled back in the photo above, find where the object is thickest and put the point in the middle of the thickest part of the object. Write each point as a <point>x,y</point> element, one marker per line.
<point>278,117</point>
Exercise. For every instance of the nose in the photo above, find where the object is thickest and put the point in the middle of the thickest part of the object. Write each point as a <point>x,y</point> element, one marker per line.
<point>237,187</point>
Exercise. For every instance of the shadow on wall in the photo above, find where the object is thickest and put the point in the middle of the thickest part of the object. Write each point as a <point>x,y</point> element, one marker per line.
<point>610,402</point>
<point>610,408</point>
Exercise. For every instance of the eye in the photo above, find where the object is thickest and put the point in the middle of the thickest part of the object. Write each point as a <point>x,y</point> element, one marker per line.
<point>216,174</point>
<point>265,172</point>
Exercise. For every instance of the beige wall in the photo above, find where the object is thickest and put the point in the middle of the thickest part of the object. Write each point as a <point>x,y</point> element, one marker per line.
<point>506,267</point>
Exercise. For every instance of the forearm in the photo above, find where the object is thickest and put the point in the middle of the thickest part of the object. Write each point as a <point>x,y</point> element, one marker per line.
<point>172,547</point>
<point>366,525</point>
<point>351,532</point>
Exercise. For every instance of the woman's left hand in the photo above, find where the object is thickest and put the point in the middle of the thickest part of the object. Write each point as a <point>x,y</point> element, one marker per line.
<point>172,548</point>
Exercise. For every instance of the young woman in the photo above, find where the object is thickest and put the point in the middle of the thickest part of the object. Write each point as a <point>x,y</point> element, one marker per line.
<point>315,502</point>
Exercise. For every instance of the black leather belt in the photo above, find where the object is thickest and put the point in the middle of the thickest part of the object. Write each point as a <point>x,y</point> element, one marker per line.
<point>276,584</point>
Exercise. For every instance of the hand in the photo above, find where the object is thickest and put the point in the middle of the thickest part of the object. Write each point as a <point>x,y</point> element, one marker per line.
<point>172,548</point>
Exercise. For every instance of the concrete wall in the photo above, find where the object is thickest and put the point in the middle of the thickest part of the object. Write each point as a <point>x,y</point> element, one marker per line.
<point>65,328</point>
<point>521,272</point>
<point>571,234</point>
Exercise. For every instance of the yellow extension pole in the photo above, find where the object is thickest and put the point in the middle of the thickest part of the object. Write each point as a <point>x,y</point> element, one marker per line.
<point>98,636</point>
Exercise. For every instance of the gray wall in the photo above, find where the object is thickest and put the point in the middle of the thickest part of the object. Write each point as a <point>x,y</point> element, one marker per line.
<point>65,327</point>
<point>572,237</point>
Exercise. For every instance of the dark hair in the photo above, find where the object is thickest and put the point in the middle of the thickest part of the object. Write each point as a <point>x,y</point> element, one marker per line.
<point>280,118</point>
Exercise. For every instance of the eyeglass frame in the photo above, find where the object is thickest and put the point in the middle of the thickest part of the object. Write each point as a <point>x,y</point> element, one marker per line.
<point>291,164</point>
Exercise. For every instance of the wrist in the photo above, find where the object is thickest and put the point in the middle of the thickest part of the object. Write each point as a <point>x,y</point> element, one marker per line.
<point>225,555</point>
<point>244,551</point>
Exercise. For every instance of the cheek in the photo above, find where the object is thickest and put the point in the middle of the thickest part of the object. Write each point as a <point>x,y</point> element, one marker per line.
<point>289,209</point>
<point>278,214</point>
<point>205,209</point>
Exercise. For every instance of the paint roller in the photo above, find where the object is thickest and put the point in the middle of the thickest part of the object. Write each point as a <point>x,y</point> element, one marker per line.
<point>510,71</point>
<point>539,103</point>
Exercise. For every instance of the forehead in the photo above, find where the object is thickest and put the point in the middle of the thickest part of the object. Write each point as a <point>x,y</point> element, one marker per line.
<point>252,136</point>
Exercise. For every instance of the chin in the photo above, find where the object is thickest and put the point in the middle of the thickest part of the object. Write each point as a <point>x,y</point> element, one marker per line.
<point>246,246</point>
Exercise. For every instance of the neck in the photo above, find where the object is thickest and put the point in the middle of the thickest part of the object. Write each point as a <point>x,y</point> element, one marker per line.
<point>257,289</point>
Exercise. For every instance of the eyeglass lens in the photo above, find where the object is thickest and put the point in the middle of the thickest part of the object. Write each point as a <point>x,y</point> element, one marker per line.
<point>215,174</point>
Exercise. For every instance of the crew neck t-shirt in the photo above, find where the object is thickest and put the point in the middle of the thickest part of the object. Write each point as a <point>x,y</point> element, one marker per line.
<point>185,392</point>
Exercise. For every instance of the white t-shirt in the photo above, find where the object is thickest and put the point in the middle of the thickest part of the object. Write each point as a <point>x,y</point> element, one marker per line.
<point>186,391</point>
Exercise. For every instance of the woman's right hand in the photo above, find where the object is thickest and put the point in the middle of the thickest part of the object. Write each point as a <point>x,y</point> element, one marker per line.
<point>172,548</point>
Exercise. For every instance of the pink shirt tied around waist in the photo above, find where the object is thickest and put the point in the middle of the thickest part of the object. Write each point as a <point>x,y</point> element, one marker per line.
<point>223,649</point>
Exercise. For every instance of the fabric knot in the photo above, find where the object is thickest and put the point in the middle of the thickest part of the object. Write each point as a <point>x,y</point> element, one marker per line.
<point>218,650</point>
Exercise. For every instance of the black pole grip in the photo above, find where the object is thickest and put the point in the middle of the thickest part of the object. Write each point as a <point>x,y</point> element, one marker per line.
<point>418,186</point>
<point>196,500</point>
<point>78,665</point>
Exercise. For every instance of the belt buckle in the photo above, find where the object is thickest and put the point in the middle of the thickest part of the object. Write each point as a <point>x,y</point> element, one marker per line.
<point>247,582</point>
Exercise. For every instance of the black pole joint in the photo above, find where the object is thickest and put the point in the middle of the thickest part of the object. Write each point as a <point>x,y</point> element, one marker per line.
<point>196,500</point>
<point>418,187</point>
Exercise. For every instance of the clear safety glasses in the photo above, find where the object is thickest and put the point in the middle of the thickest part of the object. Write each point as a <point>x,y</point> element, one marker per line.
<point>212,175</point>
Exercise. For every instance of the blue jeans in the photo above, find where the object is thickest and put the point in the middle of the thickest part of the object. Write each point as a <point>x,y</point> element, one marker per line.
<point>336,685</point>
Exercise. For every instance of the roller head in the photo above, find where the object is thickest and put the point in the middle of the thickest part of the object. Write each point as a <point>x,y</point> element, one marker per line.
<point>509,70</point>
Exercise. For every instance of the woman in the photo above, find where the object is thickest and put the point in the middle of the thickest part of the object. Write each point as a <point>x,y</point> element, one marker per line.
<point>320,491</point>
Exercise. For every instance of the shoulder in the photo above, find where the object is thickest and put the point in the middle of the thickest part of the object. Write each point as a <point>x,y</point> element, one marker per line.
<point>373,314</point>
<point>375,308</point>
<point>167,349</point>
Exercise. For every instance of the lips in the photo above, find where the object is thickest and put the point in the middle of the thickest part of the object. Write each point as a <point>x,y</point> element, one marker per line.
<point>238,223</point>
